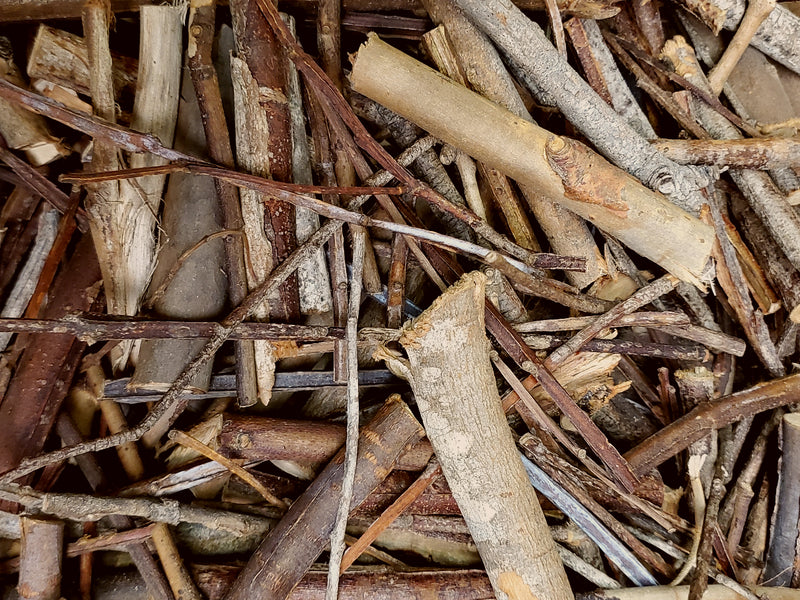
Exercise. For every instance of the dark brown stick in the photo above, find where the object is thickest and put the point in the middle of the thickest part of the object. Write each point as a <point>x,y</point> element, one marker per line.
<point>714,415</point>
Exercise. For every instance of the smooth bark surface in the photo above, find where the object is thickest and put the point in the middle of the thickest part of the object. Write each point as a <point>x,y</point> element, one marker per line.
<point>642,219</point>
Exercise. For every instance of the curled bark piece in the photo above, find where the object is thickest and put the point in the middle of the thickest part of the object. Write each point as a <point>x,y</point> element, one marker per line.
<point>291,547</point>
<point>642,219</point>
<point>451,374</point>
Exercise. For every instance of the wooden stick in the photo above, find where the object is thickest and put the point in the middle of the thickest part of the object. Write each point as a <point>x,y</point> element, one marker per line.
<point>264,147</point>
<point>454,388</point>
<point>197,290</point>
<point>759,189</point>
<point>522,40</point>
<point>714,415</point>
<point>776,37</point>
<point>604,75</point>
<point>40,559</point>
<point>644,296</point>
<point>389,77</point>
<point>290,548</point>
<point>22,130</point>
<point>756,13</point>
<point>49,358</point>
<point>178,576</point>
<point>62,58</point>
<point>352,413</point>
<point>313,277</point>
<point>199,59</point>
<point>783,275</point>
<point>431,472</point>
<point>28,276</point>
<point>763,154</point>
<point>566,232</point>
<point>190,442</point>
<point>714,592</point>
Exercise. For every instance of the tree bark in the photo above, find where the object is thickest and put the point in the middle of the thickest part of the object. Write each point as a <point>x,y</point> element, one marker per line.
<point>451,375</point>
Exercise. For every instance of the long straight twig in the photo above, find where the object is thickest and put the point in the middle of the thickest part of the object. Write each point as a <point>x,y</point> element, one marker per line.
<point>351,441</point>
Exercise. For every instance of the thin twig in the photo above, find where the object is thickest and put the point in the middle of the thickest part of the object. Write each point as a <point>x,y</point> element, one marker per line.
<point>351,441</point>
<point>188,441</point>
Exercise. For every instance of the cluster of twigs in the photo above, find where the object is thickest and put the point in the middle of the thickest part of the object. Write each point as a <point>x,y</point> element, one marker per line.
<point>583,205</point>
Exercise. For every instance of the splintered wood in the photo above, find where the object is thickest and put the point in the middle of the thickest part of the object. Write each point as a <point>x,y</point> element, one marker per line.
<point>427,299</point>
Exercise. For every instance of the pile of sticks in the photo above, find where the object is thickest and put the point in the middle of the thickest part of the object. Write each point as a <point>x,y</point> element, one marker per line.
<point>549,355</point>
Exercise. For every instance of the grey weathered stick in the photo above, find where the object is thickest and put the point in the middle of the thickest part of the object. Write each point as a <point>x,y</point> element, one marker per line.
<point>524,41</point>
<point>621,556</point>
<point>778,37</point>
<point>762,194</point>
<point>534,157</point>
<point>451,374</point>
<point>779,566</point>
<point>198,290</point>
<point>766,154</point>
<point>585,33</point>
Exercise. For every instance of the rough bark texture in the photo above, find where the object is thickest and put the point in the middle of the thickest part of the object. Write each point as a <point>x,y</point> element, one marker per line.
<point>645,221</point>
<point>451,375</point>
<point>40,559</point>
<point>289,549</point>
<point>485,72</point>
<point>525,43</point>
